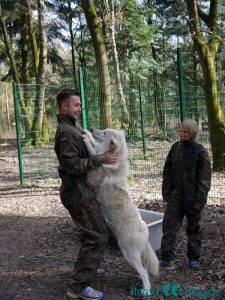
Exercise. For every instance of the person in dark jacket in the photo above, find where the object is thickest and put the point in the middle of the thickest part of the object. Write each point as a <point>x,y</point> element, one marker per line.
<point>78,196</point>
<point>186,183</point>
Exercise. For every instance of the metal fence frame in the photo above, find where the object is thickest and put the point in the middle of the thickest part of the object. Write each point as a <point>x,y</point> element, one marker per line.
<point>87,101</point>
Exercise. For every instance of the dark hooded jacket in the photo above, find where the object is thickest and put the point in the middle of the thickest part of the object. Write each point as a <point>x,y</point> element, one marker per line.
<point>187,173</point>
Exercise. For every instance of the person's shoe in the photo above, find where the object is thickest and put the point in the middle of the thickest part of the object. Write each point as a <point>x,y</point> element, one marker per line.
<point>166,264</point>
<point>86,294</point>
<point>100,272</point>
<point>193,263</point>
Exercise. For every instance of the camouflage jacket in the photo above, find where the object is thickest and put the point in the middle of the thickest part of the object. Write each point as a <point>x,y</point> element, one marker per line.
<point>74,160</point>
<point>187,173</point>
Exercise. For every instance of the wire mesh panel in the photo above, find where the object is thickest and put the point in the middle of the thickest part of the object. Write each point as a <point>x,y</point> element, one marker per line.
<point>36,160</point>
<point>154,104</point>
<point>205,102</point>
<point>154,116</point>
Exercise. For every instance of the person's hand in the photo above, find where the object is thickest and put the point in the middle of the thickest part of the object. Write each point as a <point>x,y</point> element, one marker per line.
<point>108,158</point>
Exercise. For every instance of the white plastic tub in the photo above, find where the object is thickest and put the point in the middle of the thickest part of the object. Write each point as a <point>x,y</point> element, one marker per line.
<point>154,222</point>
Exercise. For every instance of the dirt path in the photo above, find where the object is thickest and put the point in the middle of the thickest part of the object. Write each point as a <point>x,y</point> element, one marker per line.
<point>39,244</point>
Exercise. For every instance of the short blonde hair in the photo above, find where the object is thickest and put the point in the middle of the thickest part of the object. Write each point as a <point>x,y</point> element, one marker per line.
<point>192,127</point>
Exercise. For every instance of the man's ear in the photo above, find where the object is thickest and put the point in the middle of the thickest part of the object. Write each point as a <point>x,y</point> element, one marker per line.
<point>112,145</point>
<point>63,106</point>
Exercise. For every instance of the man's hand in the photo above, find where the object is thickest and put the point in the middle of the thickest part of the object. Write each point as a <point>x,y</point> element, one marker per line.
<point>108,158</point>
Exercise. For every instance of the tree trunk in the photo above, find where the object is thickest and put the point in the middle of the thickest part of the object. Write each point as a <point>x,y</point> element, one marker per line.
<point>132,133</point>
<point>207,47</point>
<point>101,61</point>
<point>25,76</point>
<point>196,111</point>
<point>159,101</point>
<point>15,73</point>
<point>73,54</point>
<point>24,46</point>
<point>72,42</point>
<point>121,98</point>
<point>38,124</point>
<point>214,112</point>
<point>81,53</point>
<point>32,35</point>
<point>42,70</point>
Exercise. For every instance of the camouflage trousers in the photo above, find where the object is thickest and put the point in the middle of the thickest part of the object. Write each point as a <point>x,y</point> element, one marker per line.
<point>176,209</point>
<point>86,213</point>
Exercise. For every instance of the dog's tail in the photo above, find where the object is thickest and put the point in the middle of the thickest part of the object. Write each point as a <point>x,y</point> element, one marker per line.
<point>150,260</point>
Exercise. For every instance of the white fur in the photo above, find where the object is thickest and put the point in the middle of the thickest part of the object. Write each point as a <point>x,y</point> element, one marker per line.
<point>121,213</point>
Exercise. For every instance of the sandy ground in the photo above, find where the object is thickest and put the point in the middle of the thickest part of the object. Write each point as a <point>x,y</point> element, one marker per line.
<point>39,244</point>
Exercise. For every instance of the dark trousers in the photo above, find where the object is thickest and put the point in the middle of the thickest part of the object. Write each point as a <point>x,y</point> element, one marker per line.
<point>86,214</point>
<point>176,209</point>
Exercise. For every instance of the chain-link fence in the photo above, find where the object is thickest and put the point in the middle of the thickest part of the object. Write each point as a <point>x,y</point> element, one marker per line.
<point>156,106</point>
<point>155,103</point>
<point>36,161</point>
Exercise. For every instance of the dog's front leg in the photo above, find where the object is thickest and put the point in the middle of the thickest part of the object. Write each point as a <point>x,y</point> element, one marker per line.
<point>89,135</point>
<point>88,145</point>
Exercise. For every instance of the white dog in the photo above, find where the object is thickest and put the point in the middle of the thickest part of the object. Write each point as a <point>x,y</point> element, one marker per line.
<point>120,212</point>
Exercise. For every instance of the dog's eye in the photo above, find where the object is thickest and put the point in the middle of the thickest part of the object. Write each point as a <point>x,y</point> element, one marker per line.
<point>104,132</point>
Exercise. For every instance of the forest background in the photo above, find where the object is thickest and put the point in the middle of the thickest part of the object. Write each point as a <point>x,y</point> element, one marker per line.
<point>130,59</point>
<point>44,43</point>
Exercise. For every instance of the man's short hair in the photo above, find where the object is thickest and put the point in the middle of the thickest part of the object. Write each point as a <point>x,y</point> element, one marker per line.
<point>65,94</point>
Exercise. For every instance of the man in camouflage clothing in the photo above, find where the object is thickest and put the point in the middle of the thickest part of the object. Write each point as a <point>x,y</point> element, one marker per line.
<point>77,196</point>
<point>186,182</point>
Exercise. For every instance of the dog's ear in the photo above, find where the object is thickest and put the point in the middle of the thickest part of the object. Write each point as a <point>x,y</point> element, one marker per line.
<point>112,145</point>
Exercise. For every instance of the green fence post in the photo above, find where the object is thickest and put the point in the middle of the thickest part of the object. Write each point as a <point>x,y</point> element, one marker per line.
<point>142,121</point>
<point>181,84</point>
<point>16,109</point>
<point>83,114</point>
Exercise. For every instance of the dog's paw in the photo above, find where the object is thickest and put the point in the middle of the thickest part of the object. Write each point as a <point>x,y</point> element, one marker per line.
<point>85,138</point>
<point>87,133</point>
